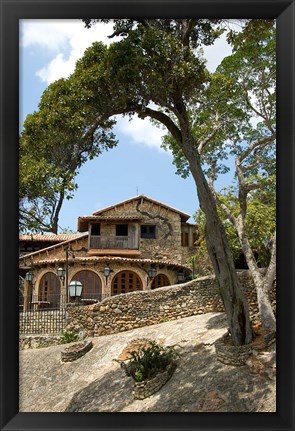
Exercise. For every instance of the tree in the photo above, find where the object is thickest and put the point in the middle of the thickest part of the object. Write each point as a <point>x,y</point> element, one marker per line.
<point>156,71</point>
<point>55,142</point>
<point>255,156</point>
<point>239,121</point>
<point>260,226</point>
<point>42,189</point>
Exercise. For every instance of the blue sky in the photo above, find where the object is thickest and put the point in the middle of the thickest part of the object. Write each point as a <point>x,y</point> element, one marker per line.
<point>48,51</point>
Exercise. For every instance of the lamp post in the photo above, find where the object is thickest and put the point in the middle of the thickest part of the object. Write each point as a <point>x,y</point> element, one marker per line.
<point>67,273</point>
<point>75,289</point>
<point>29,276</point>
<point>152,271</point>
<point>63,273</point>
<point>180,276</point>
<point>106,272</point>
<point>28,290</point>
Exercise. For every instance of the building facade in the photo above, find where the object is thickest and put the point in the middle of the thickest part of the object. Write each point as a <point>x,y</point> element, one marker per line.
<point>137,244</point>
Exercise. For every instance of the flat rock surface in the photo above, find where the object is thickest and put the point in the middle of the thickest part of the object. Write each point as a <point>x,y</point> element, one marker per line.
<point>200,383</point>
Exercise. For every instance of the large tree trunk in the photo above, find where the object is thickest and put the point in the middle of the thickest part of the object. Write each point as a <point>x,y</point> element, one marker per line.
<point>266,313</point>
<point>234,300</point>
<point>262,282</point>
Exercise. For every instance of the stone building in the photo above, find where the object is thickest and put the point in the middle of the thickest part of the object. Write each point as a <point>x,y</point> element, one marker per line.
<point>37,241</point>
<point>137,244</point>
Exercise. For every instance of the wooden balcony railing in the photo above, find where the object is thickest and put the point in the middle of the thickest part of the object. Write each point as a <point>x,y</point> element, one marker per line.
<point>118,242</point>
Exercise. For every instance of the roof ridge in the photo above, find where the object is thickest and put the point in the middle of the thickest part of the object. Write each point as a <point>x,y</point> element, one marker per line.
<point>138,197</point>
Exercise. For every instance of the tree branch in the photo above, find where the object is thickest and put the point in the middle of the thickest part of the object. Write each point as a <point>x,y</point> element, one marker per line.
<point>164,119</point>
<point>259,143</point>
<point>271,270</point>
<point>188,28</point>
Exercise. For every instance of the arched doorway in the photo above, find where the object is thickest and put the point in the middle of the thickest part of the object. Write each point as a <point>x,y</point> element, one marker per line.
<point>160,280</point>
<point>126,281</point>
<point>49,290</point>
<point>91,284</point>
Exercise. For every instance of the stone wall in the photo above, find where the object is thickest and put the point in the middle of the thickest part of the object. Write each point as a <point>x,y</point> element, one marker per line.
<point>37,341</point>
<point>167,244</point>
<point>133,310</point>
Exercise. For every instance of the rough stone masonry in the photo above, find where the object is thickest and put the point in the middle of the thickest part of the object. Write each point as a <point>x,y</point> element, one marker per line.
<point>143,308</point>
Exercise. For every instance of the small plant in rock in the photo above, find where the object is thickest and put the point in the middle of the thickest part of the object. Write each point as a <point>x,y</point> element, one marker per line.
<point>68,336</point>
<point>146,362</point>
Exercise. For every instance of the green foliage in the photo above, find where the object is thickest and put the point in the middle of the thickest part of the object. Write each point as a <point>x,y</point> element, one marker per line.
<point>54,143</point>
<point>149,361</point>
<point>260,224</point>
<point>68,336</point>
<point>75,115</point>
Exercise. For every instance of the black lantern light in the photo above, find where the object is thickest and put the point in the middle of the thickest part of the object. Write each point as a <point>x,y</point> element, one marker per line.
<point>180,276</point>
<point>29,276</point>
<point>106,272</point>
<point>152,271</point>
<point>61,273</point>
<point>75,289</point>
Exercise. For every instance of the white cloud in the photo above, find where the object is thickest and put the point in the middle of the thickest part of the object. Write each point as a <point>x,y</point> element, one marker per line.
<point>141,132</point>
<point>214,54</point>
<point>52,71</point>
<point>64,40</point>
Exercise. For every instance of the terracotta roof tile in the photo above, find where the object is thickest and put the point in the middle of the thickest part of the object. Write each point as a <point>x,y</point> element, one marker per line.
<point>50,237</point>
<point>110,259</point>
<point>51,247</point>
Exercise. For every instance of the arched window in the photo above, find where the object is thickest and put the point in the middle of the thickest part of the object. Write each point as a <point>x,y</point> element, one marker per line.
<point>91,284</point>
<point>126,281</point>
<point>160,280</point>
<point>49,289</point>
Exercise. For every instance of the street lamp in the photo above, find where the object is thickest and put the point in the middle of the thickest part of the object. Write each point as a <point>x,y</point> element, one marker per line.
<point>61,273</point>
<point>106,272</point>
<point>28,293</point>
<point>180,276</point>
<point>152,271</point>
<point>75,289</point>
<point>29,276</point>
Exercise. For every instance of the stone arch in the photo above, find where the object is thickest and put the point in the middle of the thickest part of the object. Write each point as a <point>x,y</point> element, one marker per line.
<point>126,281</point>
<point>49,289</point>
<point>91,282</point>
<point>160,280</point>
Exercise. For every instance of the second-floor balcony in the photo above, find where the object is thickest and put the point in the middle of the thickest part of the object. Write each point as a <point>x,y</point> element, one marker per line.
<point>120,242</point>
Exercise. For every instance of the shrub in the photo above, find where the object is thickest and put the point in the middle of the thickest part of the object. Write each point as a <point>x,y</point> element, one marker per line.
<point>68,336</point>
<point>148,361</point>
